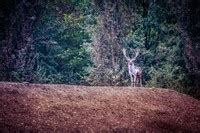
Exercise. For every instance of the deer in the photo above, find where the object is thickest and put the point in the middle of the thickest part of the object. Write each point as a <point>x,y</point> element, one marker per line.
<point>134,71</point>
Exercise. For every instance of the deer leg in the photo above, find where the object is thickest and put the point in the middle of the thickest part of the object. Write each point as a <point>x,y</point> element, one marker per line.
<point>135,78</point>
<point>140,81</point>
<point>131,79</point>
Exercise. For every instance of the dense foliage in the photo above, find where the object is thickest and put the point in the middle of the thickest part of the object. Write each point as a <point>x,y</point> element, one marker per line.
<point>80,42</point>
<point>58,42</point>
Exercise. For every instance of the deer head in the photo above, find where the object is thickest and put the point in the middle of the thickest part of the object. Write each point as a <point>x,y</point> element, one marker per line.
<point>131,60</point>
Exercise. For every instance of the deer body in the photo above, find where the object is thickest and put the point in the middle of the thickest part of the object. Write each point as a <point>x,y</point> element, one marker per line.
<point>135,72</point>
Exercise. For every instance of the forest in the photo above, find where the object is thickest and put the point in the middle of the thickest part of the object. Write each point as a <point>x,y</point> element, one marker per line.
<point>81,42</point>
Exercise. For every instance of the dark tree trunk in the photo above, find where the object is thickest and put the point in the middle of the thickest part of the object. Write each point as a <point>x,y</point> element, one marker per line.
<point>17,48</point>
<point>191,34</point>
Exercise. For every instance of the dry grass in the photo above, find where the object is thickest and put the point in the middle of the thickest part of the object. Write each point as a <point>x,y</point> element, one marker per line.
<point>64,108</point>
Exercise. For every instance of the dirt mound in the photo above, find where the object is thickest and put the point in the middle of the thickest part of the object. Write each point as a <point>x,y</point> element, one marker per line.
<point>63,108</point>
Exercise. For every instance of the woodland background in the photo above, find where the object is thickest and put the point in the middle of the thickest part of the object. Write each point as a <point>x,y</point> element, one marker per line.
<point>81,41</point>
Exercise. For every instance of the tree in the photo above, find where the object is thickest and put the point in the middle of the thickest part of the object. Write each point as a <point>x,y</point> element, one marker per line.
<point>39,44</point>
<point>58,38</point>
<point>113,21</point>
<point>186,14</point>
<point>17,49</point>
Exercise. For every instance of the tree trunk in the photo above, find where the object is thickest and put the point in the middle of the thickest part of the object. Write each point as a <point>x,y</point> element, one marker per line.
<point>17,48</point>
<point>188,21</point>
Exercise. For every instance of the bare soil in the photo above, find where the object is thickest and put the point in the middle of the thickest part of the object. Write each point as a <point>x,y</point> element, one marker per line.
<point>50,108</point>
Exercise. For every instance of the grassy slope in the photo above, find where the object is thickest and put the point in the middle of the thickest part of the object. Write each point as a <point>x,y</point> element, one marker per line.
<point>61,108</point>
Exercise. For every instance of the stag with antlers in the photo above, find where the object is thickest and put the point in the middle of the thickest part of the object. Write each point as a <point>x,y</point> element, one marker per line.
<point>135,72</point>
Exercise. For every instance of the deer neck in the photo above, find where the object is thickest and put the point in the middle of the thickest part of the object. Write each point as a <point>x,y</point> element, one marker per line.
<point>131,66</point>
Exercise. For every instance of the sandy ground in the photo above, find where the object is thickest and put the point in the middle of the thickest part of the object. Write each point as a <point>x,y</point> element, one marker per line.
<point>63,108</point>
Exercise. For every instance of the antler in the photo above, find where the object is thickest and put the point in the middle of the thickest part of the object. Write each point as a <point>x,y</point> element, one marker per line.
<point>124,52</point>
<point>137,51</point>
